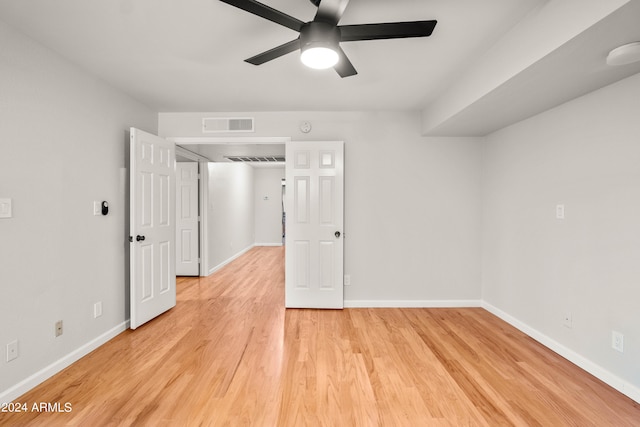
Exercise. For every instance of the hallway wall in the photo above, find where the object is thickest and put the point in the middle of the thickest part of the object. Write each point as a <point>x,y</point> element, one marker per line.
<point>231,212</point>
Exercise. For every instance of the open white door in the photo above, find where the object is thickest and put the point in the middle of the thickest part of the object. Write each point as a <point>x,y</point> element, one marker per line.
<point>152,226</point>
<point>314,241</point>
<point>187,231</point>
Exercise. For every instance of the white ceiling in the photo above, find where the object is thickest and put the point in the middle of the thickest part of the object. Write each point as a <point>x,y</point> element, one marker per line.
<point>576,66</point>
<point>187,55</point>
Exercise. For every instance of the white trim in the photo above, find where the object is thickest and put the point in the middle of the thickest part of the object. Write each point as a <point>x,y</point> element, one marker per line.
<point>268,244</point>
<point>44,374</point>
<point>203,188</point>
<point>594,369</point>
<point>230,140</point>
<point>227,261</point>
<point>412,303</point>
<point>188,154</point>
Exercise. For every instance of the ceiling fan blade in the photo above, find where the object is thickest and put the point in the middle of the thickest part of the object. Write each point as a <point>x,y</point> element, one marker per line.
<point>389,30</point>
<point>331,11</point>
<point>344,67</point>
<point>267,12</point>
<point>274,53</point>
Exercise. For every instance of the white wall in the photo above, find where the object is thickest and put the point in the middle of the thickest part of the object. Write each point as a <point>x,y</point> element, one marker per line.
<point>412,203</point>
<point>231,212</point>
<point>586,155</point>
<point>62,146</point>
<point>268,206</point>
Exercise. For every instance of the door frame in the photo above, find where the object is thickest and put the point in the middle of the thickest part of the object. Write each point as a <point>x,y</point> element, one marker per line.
<point>204,176</point>
<point>222,140</point>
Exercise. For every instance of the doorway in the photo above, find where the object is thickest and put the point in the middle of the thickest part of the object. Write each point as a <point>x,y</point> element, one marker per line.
<point>222,195</point>
<point>314,263</point>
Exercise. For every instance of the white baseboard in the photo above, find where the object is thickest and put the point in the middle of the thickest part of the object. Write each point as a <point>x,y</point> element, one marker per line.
<point>268,244</point>
<point>597,371</point>
<point>228,260</point>
<point>44,374</point>
<point>412,303</point>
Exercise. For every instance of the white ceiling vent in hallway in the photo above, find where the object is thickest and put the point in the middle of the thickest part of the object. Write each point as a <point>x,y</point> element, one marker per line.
<point>255,159</point>
<point>227,124</point>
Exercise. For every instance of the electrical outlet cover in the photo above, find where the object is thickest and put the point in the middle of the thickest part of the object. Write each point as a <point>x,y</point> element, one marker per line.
<point>12,350</point>
<point>617,341</point>
<point>568,319</point>
<point>97,309</point>
<point>58,328</point>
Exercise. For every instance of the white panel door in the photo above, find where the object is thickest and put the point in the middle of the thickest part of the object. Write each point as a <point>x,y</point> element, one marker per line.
<point>187,230</point>
<point>152,226</point>
<point>314,240</point>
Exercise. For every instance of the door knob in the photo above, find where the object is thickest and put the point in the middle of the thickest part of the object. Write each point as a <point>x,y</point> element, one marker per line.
<point>337,234</point>
<point>139,238</point>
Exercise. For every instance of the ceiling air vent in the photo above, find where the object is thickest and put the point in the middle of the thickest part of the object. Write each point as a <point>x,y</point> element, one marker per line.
<point>227,124</point>
<point>256,159</point>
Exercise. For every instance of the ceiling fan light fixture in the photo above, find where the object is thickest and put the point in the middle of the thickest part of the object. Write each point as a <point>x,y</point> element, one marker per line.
<point>319,40</point>
<point>625,54</point>
<point>319,56</point>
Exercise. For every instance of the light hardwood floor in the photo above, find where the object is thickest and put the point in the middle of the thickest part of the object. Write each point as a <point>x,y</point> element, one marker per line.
<point>229,354</point>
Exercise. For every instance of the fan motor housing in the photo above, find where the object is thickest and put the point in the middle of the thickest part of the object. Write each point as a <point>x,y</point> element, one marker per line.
<point>317,32</point>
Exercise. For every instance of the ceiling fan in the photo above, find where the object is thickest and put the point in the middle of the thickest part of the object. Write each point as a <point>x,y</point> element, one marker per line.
<point>319,40</point>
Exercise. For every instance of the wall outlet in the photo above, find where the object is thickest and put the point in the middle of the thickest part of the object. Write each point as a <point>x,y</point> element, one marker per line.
<point>617,341</point>
<point>12,350</point>
<point>97,309</point>
<point>567,320</point>
<point>347,280</point>
<point>559,211</point>
<point>58,328</point>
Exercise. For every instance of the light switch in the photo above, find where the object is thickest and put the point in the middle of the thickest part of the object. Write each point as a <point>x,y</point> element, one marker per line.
<point>97,208</point>
<point>5,208</point>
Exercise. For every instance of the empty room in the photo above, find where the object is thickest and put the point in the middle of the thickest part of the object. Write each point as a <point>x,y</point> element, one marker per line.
<point>320,212</point>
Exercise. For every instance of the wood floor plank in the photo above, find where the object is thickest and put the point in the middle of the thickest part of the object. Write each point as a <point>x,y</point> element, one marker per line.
<point>229,354</point>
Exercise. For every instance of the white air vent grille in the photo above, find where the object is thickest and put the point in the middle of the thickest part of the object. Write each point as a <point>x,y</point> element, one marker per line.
<point>227,124</point>
<point>256,159</point>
